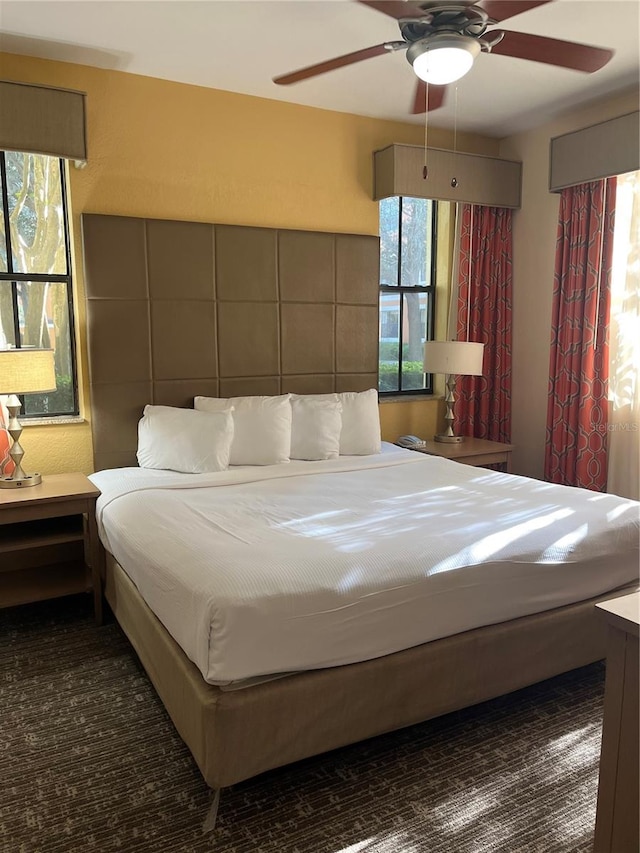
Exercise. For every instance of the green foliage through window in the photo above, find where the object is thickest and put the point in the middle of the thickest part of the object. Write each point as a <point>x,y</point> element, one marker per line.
<point>407,292</point>
<point>36,307</point>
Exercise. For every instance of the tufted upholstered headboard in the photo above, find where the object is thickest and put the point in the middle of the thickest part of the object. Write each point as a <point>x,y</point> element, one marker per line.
<point>176,309</point>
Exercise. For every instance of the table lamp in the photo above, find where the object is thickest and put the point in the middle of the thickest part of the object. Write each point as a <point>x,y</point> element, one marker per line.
<point>23,371</point>
<point>454,358</point>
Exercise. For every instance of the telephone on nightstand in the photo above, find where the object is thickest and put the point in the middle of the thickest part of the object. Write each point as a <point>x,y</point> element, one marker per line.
<point>409,442</point>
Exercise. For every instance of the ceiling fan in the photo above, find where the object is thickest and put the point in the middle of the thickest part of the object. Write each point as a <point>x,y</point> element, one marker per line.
<point>442,40</point>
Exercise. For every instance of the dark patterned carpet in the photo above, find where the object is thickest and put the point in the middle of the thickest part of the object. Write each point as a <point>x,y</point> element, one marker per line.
<point>89,761</point>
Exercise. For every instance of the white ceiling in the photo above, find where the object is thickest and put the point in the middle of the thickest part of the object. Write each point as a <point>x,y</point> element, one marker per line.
<point>239,45</point>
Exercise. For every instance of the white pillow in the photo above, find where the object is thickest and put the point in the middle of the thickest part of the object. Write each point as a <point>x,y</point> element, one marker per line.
<point>262,427</point>
<point>315,427</point>
<point>360,434</point>
<point>184,440</point>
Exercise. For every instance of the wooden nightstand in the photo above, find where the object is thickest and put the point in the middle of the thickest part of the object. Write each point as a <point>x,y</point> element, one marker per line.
<point>49,541</point>
<point>471,451</point>
<point>617,815</point>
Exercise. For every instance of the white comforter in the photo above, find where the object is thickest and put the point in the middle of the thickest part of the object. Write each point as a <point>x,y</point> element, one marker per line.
<point>312,564</point>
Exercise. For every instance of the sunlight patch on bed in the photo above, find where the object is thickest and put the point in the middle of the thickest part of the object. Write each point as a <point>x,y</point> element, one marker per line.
<point>351,579</point>
<point>491,545</point>
<point>316,520</point>
<point>558,550</point>
<point>617,512</point>
<point>351,532</point>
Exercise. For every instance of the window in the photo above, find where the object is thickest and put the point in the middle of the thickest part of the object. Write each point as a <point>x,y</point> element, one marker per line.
<point>408,232</point>
<point>36,308</point>
<point>624,343</point>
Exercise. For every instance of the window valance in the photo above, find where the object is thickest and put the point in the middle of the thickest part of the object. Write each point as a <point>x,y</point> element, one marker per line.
<point>602,150</point>
<point>42,120</point>
<point>488,181</point>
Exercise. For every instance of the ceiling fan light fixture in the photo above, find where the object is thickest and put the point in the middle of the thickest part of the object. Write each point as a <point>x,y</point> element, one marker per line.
<point>443,58</point>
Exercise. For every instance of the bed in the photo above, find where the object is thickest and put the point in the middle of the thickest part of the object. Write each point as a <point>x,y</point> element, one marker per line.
<point>240,718</point>
<point>374,641</point>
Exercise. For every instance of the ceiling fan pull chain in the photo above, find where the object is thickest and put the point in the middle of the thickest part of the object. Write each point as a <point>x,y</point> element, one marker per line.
<point>454,180</point>
<point>425,170</point>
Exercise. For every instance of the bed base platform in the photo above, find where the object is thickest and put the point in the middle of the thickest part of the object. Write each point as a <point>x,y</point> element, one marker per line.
<point>234,735</point>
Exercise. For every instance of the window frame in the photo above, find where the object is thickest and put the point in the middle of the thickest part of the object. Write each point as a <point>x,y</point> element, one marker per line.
<point>45,278</point>
<point>401,289</point>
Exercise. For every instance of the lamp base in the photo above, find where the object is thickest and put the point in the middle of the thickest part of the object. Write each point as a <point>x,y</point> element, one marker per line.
<point>19,479</point>
<point>20,482</point>
<point>449,439</point>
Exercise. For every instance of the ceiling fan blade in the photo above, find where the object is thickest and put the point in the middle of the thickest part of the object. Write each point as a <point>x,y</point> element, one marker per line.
<point>565,54</point>
<point>436,97</point>
<point>398,8</point>
<point>500,10</point>
<point>331,64</point>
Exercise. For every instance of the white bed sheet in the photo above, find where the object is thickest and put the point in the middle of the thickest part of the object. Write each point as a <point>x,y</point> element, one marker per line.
<point>282,568</point>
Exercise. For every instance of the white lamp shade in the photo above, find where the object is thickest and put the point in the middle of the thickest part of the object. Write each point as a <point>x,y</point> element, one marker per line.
<point>443,58</point>
<point>462,358</point>
<point>27,371</point>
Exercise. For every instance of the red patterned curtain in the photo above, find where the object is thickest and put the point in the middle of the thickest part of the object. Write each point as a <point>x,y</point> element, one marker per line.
<point>483,403</point>
<point>577,413</point>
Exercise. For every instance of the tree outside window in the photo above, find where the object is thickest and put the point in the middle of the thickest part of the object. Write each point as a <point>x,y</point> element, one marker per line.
<point>36,308</point>
<point>407,291</point>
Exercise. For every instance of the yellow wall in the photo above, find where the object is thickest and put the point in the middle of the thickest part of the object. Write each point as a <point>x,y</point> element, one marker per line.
<point>169,150</point>
<point>411,417</point>
<point>534,246</point>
